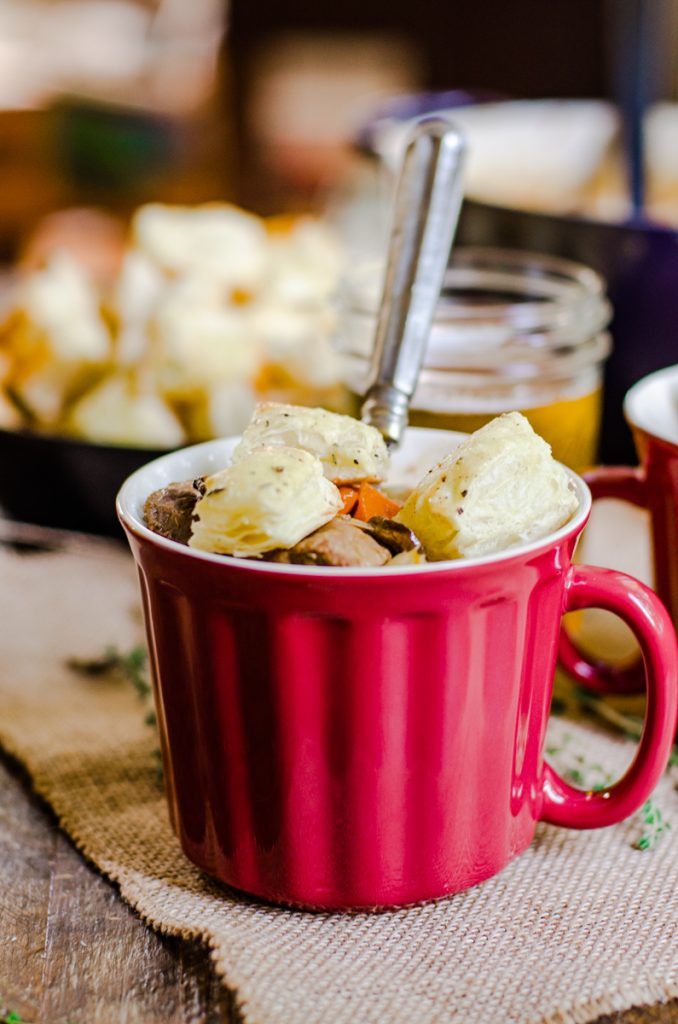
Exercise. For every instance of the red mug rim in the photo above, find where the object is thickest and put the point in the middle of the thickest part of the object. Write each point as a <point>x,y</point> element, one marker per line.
<point>156,474</point>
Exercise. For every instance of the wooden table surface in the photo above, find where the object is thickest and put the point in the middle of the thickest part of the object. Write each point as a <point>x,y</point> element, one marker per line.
<point>71,952</point>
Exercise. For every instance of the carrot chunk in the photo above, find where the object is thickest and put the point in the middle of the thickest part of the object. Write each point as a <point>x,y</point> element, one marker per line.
<point>372,502</point>
<point>349,495</point>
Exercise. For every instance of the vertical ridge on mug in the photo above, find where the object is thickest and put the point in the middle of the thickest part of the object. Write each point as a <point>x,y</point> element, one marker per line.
<point>175,618</point>
<point>370,708</point>
<point>154,667</point>
<point>540,629</point>
<point>302,677</point>
<point>437,820</point>
<point>226,784</point>
<point>498,628</point>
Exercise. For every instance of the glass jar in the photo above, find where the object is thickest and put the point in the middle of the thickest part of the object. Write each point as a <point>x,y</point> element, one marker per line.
<point>513,330</point>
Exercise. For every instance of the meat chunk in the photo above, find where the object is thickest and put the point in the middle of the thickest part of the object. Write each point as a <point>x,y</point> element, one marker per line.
<point>342,541</point>
<point>169,510</point>
<point>395,537</point>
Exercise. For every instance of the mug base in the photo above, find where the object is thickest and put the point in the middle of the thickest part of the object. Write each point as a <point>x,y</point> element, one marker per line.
<point>351,904</point>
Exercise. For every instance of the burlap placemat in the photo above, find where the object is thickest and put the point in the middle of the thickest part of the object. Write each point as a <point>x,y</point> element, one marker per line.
<point>580,925</point>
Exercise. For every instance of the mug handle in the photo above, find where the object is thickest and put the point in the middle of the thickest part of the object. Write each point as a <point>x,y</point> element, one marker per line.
<point>632,601</point>
<point>626,484</point>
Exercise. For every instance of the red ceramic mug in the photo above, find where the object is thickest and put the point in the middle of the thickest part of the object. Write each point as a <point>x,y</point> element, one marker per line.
<point>651,410</point>
<point>362,738</point>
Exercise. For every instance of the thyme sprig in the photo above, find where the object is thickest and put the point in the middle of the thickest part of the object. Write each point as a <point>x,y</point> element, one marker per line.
<point>629,725</point>
<point>655,826</point>
<point>11,1017</point>
<point>575,768</point>
<point>129,666</point>
<point>8,1016</point>
<point>583,774</point>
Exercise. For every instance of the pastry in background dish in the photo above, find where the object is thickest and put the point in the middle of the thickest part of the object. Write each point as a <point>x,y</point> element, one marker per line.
<point>55,338</point>
<point>95,239</point>
<point>215,241</point>
<point>206,311</point>
<point>119,411</point>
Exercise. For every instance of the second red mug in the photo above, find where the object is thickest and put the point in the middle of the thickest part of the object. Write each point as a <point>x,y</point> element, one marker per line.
<point>651,410</point>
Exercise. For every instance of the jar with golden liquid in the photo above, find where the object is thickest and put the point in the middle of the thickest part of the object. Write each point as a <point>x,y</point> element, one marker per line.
<point>513,330</point>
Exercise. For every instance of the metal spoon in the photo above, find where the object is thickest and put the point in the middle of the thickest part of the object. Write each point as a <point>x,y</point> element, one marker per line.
<point>427,203</point>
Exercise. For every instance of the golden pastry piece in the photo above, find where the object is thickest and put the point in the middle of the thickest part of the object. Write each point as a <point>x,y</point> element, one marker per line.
<point>348,449</point>
<point>271,498</point>
<point>499,488</point>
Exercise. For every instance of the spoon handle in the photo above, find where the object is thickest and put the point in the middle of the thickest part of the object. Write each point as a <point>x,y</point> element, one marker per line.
<point>428,198</point>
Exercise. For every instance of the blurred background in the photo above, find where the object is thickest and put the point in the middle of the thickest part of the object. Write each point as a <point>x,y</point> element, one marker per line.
<point>122,101</point>
<point>293,110</point>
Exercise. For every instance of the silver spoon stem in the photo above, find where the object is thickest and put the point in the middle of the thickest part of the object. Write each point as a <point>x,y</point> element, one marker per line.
<point>427,203</point>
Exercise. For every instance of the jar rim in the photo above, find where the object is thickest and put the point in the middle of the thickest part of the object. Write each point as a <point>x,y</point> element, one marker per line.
<point>541,299</point>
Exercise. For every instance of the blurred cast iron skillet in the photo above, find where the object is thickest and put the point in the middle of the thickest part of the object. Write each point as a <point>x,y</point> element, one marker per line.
<point>639,261</point>
<point>63,482</point>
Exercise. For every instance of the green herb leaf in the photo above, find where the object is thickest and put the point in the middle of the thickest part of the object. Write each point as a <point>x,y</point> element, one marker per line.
<point>655,824</point>
<point>130,667</point>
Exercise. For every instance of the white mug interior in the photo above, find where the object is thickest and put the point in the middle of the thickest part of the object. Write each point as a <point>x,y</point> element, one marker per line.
<point>652,404</point>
